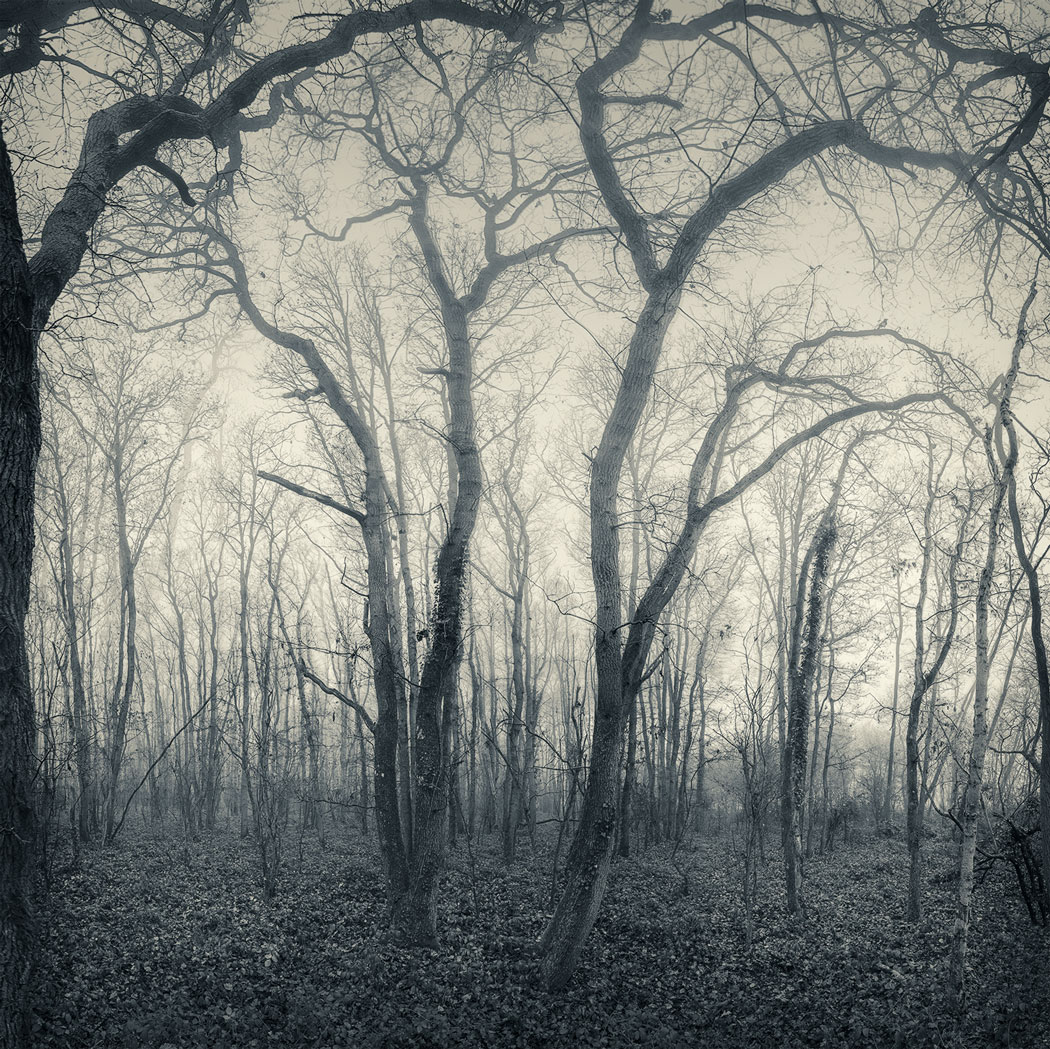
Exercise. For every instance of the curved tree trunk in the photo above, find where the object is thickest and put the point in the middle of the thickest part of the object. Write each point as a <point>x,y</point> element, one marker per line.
<point>441,666</point>
<point>972,795</point>
<point>587,867</point>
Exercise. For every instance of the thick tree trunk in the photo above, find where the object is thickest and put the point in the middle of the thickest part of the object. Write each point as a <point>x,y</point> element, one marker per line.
<point>618,667</point>
<point>587,867</point>
<point>362,756</point>
<point>630,777</point>
<point>438,677</point>
<point>19,449</point>
<point>380,626</point>
<point>411,619</point>
<point>630,773</point>
<point>385,670</point>
<point>809,822</point>
<point>394,636</point>
<point>915,808</point>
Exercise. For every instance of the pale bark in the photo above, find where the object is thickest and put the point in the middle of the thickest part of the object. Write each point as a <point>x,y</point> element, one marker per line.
<point>974,790</point>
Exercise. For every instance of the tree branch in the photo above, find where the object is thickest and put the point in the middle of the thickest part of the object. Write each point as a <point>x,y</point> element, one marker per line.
<point>317,497</point>
<point>336,694</point>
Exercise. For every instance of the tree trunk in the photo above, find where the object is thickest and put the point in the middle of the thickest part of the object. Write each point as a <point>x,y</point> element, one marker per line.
<point>19,449</point>
<point>81,726</point>
<point>971,804</point>
<point>826,837</point>
<point>389,711</point>
<point>972,795</point>
<point>887,800</point>
<point>587,867</point>
<point>513,799</point>
<point>629,778</point>
<point>362,754</point>
<point>803,658</point>
<point>922,682</point>
<point>123,688</point>
<point>438,677</point>
<point>1042,672</point>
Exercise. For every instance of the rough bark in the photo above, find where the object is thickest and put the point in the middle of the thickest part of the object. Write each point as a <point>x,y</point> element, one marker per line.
<point>803,659</point>
<point>441,665</point>
<point>19,450</point>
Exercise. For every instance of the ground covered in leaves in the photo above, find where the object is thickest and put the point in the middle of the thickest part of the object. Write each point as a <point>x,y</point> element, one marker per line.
<point>164,943</point>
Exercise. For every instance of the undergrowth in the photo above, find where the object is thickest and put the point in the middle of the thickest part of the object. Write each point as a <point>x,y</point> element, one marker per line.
<point>165,943</point>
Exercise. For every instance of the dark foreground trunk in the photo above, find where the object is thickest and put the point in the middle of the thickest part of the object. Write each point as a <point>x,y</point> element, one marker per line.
<point>19,448</point>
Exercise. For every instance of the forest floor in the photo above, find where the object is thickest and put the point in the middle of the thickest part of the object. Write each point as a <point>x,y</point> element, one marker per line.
<point>164,943</point>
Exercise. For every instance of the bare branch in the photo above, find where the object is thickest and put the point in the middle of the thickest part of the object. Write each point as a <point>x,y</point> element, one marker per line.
<point>308,493</point>
<point>336,694</point>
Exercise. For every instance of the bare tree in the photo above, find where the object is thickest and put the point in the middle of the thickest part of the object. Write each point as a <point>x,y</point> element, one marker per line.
<point>803,659</point>
<point>924,676</point>
<point>185,103</point>
<point>1002,477</point>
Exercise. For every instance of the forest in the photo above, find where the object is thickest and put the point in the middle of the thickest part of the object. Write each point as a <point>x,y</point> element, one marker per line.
<point>522,524</point>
